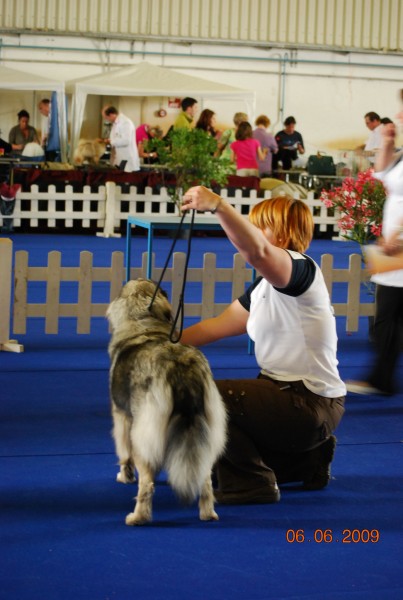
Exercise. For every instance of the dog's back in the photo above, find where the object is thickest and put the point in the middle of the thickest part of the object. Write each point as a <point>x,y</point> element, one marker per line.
<point>178,418</point>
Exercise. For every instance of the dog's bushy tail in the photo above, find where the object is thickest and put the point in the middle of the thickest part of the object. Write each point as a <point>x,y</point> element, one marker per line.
<point>195,435</point>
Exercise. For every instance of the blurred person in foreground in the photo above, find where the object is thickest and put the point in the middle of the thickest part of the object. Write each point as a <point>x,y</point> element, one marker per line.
<point>388,324</point>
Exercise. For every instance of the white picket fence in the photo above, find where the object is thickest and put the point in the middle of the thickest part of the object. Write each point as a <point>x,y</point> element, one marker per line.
<point>68,206</point>
<point>110,205</point>
<point>16,308</point>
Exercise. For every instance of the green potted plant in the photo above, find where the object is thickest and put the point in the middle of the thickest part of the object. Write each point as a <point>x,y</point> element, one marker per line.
<point>191,155</point>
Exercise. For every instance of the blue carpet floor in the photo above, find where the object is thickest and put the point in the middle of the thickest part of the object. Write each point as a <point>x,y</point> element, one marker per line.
<point>62,514</point>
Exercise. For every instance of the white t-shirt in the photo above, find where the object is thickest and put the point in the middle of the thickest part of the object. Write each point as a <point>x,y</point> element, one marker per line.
<point>123,142</point>
<point>392,216</point>
<point>374,139</point>
<point>294,329</point>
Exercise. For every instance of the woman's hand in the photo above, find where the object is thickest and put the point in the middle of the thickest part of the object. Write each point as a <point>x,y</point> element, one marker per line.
<point>393,244</point>
<point>386,153</point>
<point>388,133</point>
<point>200,198</point>
<point>274,264</point>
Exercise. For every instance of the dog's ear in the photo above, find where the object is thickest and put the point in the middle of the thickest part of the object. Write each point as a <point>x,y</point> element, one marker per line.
<point>137,302</point>
<point>164,293</point>
<point>138,295</point>
<point>161,308</point>
<point>158,306</point>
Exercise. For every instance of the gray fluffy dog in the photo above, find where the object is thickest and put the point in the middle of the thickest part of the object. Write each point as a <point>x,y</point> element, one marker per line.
<point>166,409</point>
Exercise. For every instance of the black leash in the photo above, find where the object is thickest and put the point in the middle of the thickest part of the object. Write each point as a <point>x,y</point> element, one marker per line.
<point>180,311</point>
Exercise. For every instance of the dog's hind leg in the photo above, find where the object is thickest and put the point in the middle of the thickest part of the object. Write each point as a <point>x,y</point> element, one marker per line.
<point>121,434</point>
<point>143,509</point>
<point>206,502</point>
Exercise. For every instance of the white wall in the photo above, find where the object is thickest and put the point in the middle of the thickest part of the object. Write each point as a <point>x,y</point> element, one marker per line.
<point>328,93</point>
<point>374,25</point>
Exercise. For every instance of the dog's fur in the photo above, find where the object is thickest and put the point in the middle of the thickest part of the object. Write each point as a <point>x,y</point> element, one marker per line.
<point>166,409</point>
<point>88,152</point>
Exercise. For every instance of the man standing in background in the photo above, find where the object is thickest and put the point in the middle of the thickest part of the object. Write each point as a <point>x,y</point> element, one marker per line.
<point>44,109</point>
<point>185,118</point>
<point>373,143</point>
<point>50,141</point>
<point>124,153</point>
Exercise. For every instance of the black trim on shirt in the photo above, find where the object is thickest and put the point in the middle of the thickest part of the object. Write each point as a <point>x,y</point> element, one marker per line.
<point>302,275</point>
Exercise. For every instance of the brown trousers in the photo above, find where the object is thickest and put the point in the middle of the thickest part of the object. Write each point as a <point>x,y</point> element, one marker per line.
<point>273,427</point>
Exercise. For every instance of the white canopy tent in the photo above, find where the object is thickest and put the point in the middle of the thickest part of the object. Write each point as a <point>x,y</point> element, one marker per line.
<point>11,79</point>
<point>145,79</point>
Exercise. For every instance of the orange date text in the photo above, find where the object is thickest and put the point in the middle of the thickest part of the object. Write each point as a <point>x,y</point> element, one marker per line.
<point>328,536</point>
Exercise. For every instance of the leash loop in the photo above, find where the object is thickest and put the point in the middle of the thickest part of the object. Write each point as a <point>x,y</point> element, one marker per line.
<point>180,310</point>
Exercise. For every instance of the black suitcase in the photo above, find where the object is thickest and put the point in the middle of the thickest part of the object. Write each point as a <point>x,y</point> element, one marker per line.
<point>321,165</point>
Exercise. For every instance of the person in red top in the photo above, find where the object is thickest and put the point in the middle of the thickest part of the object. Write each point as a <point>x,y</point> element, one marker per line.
<point>246,151</point>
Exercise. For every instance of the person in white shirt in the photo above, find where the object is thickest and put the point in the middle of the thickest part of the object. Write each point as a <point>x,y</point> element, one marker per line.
<point>373,143</point>
<point>44,107</point>
<point>122,140</point>
<point>281,424</point>
<point>373,122</point>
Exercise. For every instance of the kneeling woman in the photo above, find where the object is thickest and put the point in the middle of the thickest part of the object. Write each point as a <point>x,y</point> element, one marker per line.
<point>281,424</point>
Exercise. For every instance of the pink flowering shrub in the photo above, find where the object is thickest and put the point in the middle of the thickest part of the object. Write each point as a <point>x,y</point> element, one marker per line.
<point>359,202</point>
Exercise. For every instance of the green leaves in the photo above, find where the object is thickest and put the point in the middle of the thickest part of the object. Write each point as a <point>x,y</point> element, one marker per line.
<point>191,155</point>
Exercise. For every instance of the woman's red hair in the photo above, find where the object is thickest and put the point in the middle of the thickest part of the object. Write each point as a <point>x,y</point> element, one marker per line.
<point>288,219</point>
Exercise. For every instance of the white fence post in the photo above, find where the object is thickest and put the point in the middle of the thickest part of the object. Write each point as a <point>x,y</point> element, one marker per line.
<point>6,266</point>
<point>110,206</point>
